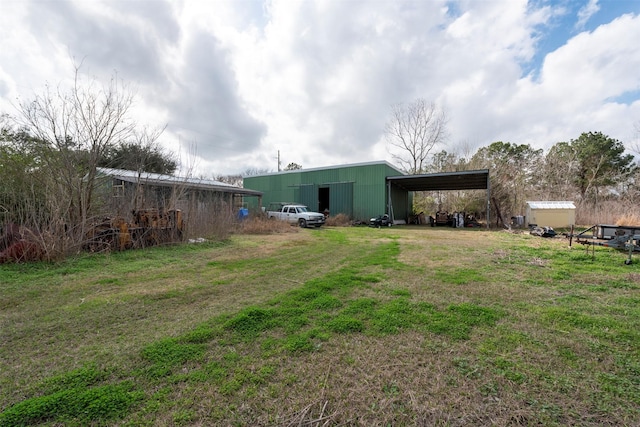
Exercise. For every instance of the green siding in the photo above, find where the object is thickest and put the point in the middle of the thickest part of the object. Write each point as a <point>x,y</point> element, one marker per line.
<point>309,196</point>
<point>359,191</point>
<point>341,198</point>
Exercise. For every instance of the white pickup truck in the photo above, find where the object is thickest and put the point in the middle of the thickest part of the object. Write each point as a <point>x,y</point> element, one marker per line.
<point>295,214</point>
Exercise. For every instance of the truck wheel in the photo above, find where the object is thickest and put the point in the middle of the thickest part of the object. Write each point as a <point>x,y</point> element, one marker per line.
<point>302,223</point>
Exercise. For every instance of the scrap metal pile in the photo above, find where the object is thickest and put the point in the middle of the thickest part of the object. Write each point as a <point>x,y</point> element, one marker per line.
<point>145,227</point>
<point>20,244</point>
<point>149,227</point>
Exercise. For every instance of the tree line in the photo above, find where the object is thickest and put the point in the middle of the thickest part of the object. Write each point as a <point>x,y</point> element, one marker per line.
<point>593,170</point>
<point>50,149</point>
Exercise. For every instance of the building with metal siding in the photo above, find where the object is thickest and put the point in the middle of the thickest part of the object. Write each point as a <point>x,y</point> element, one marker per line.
<point>357,190</point>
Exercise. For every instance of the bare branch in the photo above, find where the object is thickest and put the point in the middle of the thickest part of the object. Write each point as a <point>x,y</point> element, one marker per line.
<point>72,129</point>
<point>413,131</point>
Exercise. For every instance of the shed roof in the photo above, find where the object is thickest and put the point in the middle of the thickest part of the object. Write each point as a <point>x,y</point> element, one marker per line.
<point>551,205</point>
<point>465,180</point>
<point>170,181</point>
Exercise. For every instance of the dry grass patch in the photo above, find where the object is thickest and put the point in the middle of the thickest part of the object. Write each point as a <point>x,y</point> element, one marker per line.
<point>340,220</point>
<point>263,225</point>
<point>631,220</point>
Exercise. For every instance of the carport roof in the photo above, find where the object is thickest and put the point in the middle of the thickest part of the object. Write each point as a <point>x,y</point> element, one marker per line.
<point>465,180</point>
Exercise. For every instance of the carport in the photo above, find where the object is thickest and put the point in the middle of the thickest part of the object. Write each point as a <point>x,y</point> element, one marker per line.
<point>443,181</point>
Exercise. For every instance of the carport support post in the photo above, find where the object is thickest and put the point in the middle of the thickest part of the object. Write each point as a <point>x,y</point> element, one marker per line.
<point>488,199</point>
<point>389,202</point>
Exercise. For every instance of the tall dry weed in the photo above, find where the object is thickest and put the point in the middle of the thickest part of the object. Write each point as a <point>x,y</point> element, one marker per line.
<point>260,224</point>
<point>340,220</point>
<point>607,212</point>
<point>630,219</point>
<point>215,223</point>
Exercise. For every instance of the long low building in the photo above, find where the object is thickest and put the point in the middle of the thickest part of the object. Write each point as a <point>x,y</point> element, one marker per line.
<point>122,191</point>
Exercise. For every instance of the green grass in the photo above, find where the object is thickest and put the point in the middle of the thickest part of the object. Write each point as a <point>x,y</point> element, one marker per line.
<point>75,398</point>
<point>405,326</point>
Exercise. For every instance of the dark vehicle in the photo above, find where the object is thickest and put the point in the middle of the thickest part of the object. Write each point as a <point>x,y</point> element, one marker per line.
<point>543,231</point>
<point>381,221</point>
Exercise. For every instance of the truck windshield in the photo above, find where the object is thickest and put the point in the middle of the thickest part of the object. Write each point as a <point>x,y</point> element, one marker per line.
<point>301,209</point>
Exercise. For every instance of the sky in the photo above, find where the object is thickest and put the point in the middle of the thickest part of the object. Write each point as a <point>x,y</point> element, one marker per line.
<point>239,83</point>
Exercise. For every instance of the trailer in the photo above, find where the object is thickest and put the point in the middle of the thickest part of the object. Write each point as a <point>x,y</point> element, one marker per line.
<point>620,237</point>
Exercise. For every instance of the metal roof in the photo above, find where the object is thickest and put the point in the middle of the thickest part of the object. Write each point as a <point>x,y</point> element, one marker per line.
<point>170,181</point>
<point>348,165</point>
<point>465,180</point>
<point>551,205</point>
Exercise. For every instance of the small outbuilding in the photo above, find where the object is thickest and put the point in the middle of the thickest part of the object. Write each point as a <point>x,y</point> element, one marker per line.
<point>556,214</point>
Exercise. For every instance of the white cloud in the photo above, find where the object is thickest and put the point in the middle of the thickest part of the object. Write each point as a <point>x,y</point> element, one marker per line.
<point>586,12</point>
<point>316,79</point>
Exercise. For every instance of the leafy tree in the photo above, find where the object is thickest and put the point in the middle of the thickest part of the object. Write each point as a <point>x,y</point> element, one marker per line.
<point>444,161</point>
<point>512,169</point>
<point>22,197</point>
<point>600,162</point>
<point>413,131</point>
<point>139,156</point>
<point>293,166</point>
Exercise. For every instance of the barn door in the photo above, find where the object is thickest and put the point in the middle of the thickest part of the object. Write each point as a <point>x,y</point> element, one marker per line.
<point>309,196</point>
<point>341,198</point>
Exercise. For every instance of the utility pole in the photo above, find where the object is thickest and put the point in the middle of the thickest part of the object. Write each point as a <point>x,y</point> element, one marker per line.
<point>278,160</point>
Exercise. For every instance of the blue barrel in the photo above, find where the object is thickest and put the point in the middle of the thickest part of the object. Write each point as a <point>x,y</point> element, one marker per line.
<point>243,213</point>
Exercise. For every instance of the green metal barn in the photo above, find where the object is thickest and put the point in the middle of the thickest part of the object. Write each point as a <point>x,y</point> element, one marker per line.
<point>358,190</point>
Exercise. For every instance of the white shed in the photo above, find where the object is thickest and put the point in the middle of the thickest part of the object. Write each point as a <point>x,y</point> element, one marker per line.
<point>554,214</point>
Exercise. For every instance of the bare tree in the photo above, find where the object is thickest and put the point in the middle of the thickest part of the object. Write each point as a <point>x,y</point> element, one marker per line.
<point>256,171</point>
<point>635,145</point>
<point>554,180</point>
<point>413,131</point>
<point>235,180</point>
<point>73,130</point>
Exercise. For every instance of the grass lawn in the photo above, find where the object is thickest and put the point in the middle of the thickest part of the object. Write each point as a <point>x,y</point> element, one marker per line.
<point>335,326</point>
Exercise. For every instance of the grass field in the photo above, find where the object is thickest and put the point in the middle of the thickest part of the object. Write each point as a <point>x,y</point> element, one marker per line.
<point>335,326</point>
